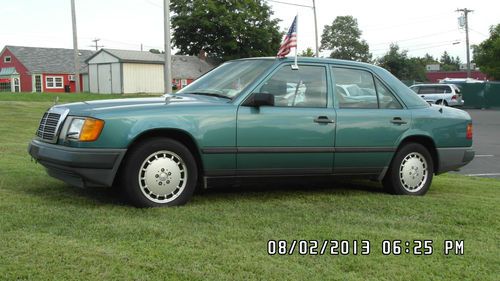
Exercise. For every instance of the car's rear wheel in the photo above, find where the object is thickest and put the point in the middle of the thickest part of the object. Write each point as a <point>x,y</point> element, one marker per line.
<point>159,172</point>
<point>411,171</point>
<point>442,102</point>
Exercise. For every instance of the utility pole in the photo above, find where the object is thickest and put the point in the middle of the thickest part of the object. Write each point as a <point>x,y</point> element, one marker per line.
<point>95,44</point>
<point>76,57</point>
<point>466,12</point>
<point>315,30</point>
<point>167,69</point>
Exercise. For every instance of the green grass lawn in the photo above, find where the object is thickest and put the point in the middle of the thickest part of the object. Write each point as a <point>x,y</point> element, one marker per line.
<point>51,231</point>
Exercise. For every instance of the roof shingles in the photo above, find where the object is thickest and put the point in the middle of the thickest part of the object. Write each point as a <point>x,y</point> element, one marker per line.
<point>49,60</point>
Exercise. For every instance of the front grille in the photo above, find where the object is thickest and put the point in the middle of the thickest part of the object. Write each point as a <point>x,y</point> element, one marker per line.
<point>49,125</point>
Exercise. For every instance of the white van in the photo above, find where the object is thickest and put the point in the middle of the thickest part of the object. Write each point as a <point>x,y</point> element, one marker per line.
<point>445,94</point>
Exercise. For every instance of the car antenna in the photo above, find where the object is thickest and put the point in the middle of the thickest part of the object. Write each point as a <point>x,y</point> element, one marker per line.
<point>56,100</point>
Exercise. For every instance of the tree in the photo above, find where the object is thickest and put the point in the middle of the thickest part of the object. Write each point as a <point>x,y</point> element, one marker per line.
<point>487,54</point>
<point>400,65</point>
<point>225,29</point>
<point>449,63</point>
<point>307,53</point>
<point>342,37</point>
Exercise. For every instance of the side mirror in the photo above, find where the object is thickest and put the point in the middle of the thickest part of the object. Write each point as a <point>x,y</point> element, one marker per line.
<point>260,99</point>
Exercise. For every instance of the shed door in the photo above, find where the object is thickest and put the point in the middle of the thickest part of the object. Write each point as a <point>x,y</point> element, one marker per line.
<point>104,78</point>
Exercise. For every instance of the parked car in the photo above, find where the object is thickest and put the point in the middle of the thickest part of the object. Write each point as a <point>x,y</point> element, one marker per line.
<point>234,123</point>
<point>444,94</point>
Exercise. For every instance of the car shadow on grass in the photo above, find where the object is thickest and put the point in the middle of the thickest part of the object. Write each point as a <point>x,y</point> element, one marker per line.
<point>61,193</point>
<point>337,186</point>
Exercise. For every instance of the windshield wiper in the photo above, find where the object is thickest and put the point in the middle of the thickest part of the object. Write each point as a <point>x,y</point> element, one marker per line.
<point>209,94</point>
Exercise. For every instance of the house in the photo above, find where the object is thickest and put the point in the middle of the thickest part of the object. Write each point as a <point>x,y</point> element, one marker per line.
<point>33,69</point>
<point>125,71</point>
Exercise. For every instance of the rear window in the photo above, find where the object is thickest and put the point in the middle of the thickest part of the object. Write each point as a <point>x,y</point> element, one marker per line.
<point>443,89</point>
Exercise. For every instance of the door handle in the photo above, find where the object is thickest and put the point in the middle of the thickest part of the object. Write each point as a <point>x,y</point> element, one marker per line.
<point>398,121</point>
<point>323,119</point>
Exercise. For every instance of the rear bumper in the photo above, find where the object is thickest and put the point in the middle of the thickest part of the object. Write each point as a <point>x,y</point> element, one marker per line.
<point>452,158</point>
<point>456,103</point>
<point>80,167</point>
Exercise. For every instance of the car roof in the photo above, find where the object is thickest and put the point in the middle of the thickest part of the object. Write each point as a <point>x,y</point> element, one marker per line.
<point>436,84</point>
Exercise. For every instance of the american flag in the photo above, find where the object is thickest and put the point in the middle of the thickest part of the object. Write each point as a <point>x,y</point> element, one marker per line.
<point>290,40</point>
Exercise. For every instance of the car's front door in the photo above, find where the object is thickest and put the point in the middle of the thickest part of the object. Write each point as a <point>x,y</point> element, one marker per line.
<point>296,135</point>
<point>370,122</point>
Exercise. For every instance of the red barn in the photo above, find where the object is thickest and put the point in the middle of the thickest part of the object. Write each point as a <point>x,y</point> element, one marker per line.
<point>32,69</point>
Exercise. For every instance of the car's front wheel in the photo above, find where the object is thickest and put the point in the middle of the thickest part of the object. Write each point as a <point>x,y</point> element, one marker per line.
<point>411,171</point>
<point>159,172</point>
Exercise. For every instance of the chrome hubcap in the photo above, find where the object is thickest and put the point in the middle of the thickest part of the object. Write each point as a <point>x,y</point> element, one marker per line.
<point>413,172</point>
<point>162,176</point>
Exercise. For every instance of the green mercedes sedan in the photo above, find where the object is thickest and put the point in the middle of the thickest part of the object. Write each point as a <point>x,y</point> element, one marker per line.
<point>259,117</point>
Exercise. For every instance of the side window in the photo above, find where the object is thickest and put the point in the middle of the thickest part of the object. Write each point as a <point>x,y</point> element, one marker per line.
<point>304,87</point>
<point>354,88</point>
<point>415,89</point>
<point>385,97</point>
<point>427,90</point>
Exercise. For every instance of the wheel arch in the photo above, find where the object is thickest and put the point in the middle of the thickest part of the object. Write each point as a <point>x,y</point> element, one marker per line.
<point>427,142</point>
<point>181,136</point>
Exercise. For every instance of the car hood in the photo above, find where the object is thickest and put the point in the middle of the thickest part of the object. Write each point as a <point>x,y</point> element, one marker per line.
<point>92,108</point>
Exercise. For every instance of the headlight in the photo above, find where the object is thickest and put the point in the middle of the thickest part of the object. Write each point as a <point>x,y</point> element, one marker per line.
<point>84,129</point>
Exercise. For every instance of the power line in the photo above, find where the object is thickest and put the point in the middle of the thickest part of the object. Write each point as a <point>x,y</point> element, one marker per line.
<point>407,22</point>
<point>478,32</point>
<point>292,4</point>
<point>423,46</point>
<point>414,38</point>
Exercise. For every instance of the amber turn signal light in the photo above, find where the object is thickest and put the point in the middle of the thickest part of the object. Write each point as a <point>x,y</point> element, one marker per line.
<point>91,129</point>
<point>468,135</point>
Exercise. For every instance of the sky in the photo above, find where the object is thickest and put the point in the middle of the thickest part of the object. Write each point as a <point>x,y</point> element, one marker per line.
<point>417,26</point>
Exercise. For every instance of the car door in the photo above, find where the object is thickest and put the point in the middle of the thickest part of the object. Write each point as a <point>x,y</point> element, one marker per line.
<point>296,135</point>
<point>369,125</point>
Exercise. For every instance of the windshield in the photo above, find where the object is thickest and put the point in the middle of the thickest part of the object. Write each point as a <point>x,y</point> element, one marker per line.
<point>229,79</point>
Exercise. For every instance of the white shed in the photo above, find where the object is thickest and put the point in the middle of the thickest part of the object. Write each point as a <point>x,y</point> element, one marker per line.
<point>124,71</point>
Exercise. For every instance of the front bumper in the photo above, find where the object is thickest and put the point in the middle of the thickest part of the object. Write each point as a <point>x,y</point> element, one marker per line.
<point>82,167</point>
<point>452,158</point>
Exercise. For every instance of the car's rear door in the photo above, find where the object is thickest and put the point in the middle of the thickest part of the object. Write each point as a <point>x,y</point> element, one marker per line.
<point>369,127</point>
<point>296,135</point>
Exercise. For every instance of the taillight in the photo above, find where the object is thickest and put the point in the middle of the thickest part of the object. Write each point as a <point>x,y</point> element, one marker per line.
<point>454,97</point>
<point>468,135</point>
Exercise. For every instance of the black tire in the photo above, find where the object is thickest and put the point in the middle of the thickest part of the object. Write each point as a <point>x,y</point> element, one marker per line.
<point>159,172</point>
<point>411,171</point>
<point>442,102</point>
